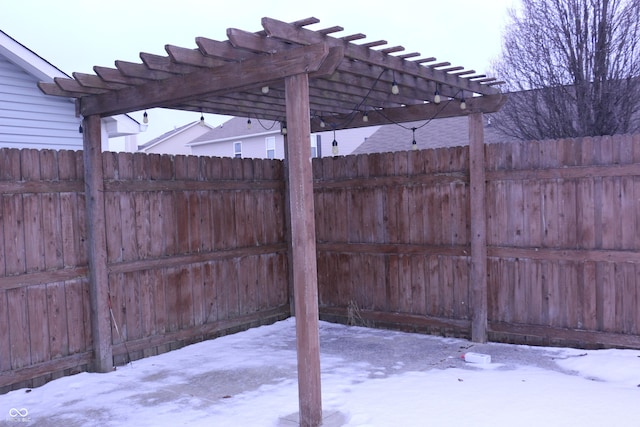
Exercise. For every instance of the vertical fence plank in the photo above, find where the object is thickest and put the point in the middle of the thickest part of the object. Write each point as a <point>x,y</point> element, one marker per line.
<point>18,315</point>
<point>57,320</point>
<point>38,324</point>
<point>5,342</point>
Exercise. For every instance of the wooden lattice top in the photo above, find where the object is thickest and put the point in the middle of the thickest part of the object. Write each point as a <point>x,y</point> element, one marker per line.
<point>244,76</point>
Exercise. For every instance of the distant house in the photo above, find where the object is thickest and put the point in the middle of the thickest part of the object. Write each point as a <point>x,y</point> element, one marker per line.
<point>31,119</point>
<point>243,137</point>
<point>177,140</point>
<point>437,133</point>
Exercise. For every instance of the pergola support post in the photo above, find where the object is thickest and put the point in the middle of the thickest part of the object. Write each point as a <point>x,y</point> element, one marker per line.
<point>97,239</point>
<point>478,229</point>
<point>303,248</point>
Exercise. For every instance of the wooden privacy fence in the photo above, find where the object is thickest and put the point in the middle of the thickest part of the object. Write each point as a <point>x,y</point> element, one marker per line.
<point>563,240</point>
<point>195,248</point>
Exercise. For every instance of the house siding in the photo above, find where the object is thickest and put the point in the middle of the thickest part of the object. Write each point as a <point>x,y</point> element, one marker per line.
<point>175,143</point>
<point>30,119</point>
<point>252,147</point>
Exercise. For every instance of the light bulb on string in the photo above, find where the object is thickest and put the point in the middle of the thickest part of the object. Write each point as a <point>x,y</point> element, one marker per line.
<point>436,97</point>
<point>334,145</point>
<point>265,90</point>
<point>463,104</point>
<point>201,119</point>
<point>414,144</point>
<point>394,86</point>
<point>248,122</point>
<point>322,123</point>
<point>283,128</point>
<point>365,117</point>
<point>145,118</point>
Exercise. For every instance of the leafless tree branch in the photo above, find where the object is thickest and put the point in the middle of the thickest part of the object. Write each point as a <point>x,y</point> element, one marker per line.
<point>574,66</point>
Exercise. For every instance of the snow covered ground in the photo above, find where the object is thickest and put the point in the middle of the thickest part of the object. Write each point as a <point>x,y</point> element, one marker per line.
<point>369,378</point>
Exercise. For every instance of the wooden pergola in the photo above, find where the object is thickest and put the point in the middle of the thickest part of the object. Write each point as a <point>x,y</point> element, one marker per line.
<point>312,81</point>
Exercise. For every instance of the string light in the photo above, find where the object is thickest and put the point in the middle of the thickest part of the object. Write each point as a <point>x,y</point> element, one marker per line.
<point>322,123</point>
<point>414,144</point>
<point>201,119</point>
<point>145,118</point>
<point>394,86</point>
<point>334,145</point>
<point>436,97</point>
<point>463,104</point>
<point>265,90</point>
<point>365,117</point>
<point>283,128</point>
<point>80,128</point>
<point>248,122</point>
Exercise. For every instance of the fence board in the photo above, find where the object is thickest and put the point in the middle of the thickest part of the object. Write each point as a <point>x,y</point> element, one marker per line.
<point>405,284</point>
<point>550,214</point>
<point>18,315</point>
<point>57,321</point>
<point>432,280</point>
<point>532,284</point>
<point>142,223</point>
<point>14,233</point>
<point>627,215</point>
<point>76,319</point>
<point>33,233</point>
<point>38,332</point>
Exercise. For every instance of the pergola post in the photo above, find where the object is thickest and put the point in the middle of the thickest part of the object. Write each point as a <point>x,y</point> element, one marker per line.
<point>303,247</point>
<point>478,229</point>
<point>97,239</point>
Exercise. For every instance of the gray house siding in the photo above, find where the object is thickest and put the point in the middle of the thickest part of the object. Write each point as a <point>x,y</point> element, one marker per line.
<point>29,119</point>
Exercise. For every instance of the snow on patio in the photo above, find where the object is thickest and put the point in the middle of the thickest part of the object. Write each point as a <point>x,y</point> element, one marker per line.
<point>369,378</point>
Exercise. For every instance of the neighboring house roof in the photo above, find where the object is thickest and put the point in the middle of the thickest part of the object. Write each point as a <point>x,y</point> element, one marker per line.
<point>235,128</point>
<point>176,141</point>
<point>28,117</point>
<point>436,133</point>
<point>238,129</point>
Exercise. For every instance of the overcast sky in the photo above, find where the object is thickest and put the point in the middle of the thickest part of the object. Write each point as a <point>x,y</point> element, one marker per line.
<point>75,35</point>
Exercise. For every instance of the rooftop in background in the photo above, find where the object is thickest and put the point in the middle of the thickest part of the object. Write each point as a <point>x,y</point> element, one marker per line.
<point>448,132</point>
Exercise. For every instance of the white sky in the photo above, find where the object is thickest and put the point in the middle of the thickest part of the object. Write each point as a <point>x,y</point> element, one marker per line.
<point>75,35</point>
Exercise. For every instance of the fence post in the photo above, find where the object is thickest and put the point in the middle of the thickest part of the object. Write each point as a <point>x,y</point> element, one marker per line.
<point>97,239</point>
<point>478,229</point>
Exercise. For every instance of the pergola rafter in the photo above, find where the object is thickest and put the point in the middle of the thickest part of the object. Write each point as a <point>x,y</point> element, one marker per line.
<point>361,80</point>
<point>285,72</point>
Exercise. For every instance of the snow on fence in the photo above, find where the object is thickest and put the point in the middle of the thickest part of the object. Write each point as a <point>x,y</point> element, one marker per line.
<point>196,247</point>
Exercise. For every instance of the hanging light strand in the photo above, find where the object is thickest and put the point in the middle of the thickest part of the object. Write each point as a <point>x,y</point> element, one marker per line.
<point>334,144</point>
<point>414,144</point>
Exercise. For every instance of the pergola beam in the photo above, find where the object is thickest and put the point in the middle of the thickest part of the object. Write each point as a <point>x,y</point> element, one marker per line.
<point>410,113</point>
<point>232,77</point>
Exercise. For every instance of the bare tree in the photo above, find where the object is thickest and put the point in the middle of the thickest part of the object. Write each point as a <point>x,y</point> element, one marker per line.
<point>574,68</point>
